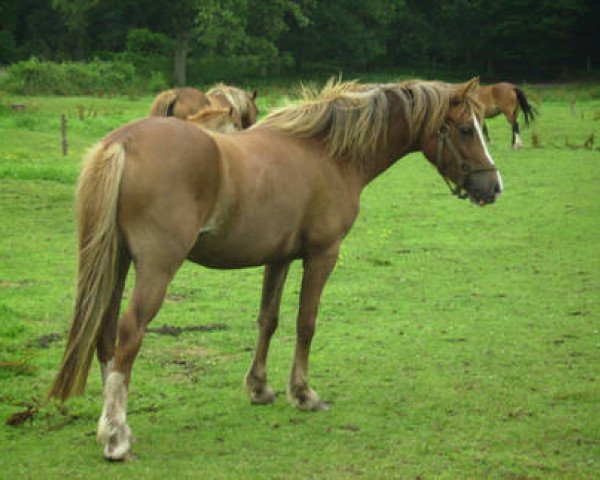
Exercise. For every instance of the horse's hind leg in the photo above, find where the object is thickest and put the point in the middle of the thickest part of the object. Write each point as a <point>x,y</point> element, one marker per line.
<point>108,331</point>
<point>150,287</point>
<point>516,138</point>
<point>511,118</point>
<point>257,387</point>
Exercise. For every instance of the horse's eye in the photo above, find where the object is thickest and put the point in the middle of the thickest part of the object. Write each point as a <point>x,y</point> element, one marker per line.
<point>466,131</point>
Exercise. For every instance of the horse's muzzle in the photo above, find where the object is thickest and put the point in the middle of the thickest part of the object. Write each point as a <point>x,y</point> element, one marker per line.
<point>484,188</point>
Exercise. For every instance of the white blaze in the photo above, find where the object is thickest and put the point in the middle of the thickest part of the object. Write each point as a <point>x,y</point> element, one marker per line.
<point>487,153</point>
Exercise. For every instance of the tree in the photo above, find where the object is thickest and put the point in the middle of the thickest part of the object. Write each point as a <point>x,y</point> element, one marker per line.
<point>248,27</point>
<point>76,17</point>
<point>351,33</point>
<point>221,26</point>
<point>533,37</point>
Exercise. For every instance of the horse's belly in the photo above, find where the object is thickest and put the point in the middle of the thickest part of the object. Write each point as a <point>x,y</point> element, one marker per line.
<point>250,250</point>
<point>492,112</point>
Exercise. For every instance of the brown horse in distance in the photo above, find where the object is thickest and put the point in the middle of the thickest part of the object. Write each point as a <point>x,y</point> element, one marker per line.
<point>245,103</point>
<point>158,191</point>
<point>179,102</point>
<point>506,98</point>
<point>186,101</point>
<point>224,120</point>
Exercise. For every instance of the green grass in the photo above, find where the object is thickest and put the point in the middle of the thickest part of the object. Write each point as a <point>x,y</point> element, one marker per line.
<point>453,341</point>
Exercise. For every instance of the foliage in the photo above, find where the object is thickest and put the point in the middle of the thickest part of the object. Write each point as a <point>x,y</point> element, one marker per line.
<point>504,39</point>
<point>7,47</point>
<point>142,41</point>
<point>34,76</point>
<point>150,53</point>
<point>249,30</point>
<point>76,14</point>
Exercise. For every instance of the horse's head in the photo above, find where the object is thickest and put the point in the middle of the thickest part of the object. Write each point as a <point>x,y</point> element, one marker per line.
<point>458,150</point>
<point>224,120</point>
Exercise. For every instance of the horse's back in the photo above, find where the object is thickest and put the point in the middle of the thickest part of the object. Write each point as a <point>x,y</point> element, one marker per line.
<point>497,98</point>
<point>503,90</point>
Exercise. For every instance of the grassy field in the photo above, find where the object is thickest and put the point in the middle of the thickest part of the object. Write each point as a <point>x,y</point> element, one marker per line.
<point>453,341</point>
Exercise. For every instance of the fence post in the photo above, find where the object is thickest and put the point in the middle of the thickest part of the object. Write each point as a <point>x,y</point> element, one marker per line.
<point>63,132</point>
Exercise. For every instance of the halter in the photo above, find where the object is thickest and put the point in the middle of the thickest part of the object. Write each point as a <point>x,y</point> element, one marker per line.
<point>459,189</point>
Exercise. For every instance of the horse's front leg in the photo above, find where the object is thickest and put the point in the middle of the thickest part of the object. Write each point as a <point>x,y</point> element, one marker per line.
<point>316,272</point>
<point>257,386</point>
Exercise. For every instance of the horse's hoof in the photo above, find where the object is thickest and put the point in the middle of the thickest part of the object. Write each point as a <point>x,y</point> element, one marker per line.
<point>116,440</point>
<point>259,392</point>
<point>307,400</point>
<point>321,406</point>
<point>128,457</point>
<point>263,396</point>
<point>317,406</point>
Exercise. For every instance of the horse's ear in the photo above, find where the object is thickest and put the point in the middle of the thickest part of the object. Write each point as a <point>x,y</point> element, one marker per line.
<point>464,89</point>
<point>470,87</point>
<point>254,94</point>
<point>473,83</point>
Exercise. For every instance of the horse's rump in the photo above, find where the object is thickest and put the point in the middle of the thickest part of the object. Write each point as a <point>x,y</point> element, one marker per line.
<point>179,102</point>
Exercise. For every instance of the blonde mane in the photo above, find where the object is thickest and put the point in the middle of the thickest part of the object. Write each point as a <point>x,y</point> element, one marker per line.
<point>353,118</point>
<point>237,97</point>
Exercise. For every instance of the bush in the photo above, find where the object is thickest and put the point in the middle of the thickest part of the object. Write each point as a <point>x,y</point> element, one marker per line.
<point>235,70</point>
<point>142,41</point>
<point>35,77</point>
<point>157,82</point>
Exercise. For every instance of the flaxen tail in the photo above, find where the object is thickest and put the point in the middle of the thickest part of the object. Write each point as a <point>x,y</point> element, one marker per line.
<point>99,248</point>
<point>163,104</point>
<point>529,112</point>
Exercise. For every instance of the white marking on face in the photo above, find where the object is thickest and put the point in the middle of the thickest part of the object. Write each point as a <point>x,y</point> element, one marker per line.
<point>487,153</point>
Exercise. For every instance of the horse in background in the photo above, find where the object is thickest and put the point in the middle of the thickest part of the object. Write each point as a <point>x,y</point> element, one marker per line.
<point>508,99</point>
<point>158,191</point>
<point>186,101</point>
<point>179,103</point>
<point>223,120</point>
<point>227,96</point>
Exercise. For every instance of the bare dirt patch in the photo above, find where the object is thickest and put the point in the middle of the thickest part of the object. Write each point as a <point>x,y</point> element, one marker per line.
<point>176,331</point>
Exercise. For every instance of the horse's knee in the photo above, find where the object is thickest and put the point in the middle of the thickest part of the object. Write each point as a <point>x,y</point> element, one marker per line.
<point>268,323</point>
<point>306,331</point>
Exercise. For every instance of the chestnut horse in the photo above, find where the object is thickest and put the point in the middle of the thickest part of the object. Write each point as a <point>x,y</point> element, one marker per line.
<point>158,191</point>
<point>224,120</point>
<point>506,98</point>
<point>179,102</point>
<point>227,96</point>
<point>186,101</point>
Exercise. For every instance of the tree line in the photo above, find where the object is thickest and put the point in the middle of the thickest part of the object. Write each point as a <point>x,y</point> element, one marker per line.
<point>189,40</point>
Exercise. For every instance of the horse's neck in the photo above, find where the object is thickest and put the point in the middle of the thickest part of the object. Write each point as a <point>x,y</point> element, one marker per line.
<point>392,149</point>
